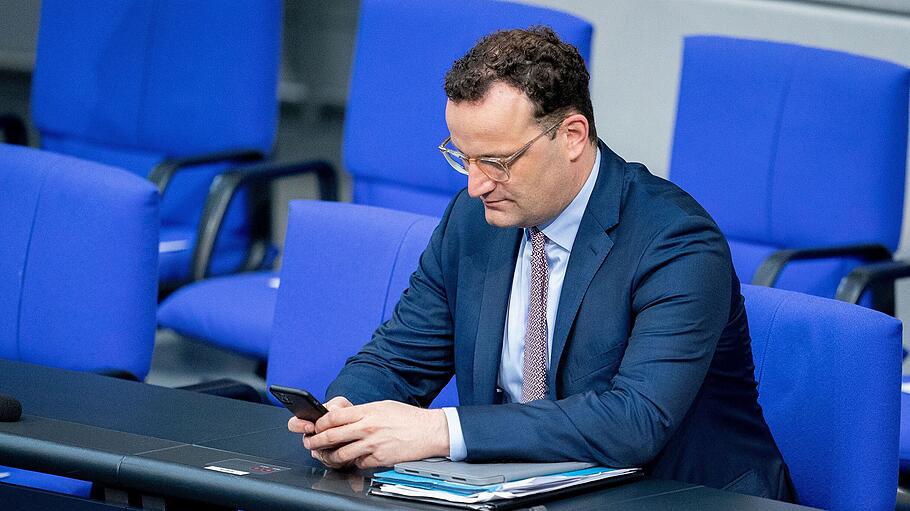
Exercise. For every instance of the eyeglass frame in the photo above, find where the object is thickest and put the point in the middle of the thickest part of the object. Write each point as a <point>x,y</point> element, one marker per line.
<point>454,158</point>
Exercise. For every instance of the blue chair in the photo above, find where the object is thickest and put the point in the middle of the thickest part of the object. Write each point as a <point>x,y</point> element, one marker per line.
<point>838,435</point>
<point>904,448</point>
<point>799,154</point>
<point>394,122</point>
<point>171,90</point>
<point>345,268</point>
<point>78,266</point>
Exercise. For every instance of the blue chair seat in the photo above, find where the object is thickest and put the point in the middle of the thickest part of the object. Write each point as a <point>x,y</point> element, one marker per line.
<point>47,482</point>
<point>828,374</point>
<point>175,252</point>
<point>197,311</point>
<point>904,449</point>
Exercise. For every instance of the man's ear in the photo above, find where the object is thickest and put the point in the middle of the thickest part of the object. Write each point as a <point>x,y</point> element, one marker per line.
<point>575,129</point>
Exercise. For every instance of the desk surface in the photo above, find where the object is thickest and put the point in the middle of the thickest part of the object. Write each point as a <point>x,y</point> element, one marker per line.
<point>157,440</point>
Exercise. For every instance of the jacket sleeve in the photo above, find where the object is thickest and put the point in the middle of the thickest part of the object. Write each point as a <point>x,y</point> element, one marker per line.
<point>680,302</point>
<point>410,357</point>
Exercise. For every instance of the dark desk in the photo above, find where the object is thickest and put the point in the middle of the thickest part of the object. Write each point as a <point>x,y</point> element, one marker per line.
<point>154,441</point>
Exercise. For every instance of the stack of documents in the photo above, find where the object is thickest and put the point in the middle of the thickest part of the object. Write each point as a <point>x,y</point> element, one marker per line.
<point>429,489</point>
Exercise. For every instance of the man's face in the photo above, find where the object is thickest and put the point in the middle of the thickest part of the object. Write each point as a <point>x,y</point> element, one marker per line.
<point>498,125</point>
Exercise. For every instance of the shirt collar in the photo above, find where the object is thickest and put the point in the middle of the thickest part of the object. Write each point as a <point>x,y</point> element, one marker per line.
<point>562,229</point>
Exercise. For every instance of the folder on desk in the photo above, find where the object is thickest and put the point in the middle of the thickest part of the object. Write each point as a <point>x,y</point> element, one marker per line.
<point>497,496</point>
<point>484,474</point>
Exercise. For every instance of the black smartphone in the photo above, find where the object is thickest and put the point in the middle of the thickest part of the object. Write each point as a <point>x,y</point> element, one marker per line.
<point>300,402</point>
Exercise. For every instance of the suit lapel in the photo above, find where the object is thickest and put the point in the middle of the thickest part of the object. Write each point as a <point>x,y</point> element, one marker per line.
<point>586,258</point>
<point>592,244</point>
<point>494,303</point>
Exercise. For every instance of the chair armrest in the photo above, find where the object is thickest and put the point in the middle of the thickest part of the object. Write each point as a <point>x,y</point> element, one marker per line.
<point>771,268</point>
<point>162,173</point>
<point>225,188</point>
<point>226,387</point>
<point>879,277</point>
<point>13,129</point>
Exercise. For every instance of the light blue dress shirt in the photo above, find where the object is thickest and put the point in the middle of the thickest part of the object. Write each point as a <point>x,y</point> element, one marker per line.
<point>560,233</point>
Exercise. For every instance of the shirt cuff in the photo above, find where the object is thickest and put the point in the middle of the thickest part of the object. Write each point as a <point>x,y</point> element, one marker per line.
<point>457,449</point>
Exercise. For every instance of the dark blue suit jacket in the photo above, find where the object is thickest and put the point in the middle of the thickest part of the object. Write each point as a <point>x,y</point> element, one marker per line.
<point>651,362</point>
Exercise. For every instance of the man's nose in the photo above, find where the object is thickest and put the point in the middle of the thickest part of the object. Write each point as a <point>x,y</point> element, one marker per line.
<point>478,182</point>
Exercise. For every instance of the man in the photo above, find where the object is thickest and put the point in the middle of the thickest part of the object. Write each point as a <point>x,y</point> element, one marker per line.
<point>588,309</point>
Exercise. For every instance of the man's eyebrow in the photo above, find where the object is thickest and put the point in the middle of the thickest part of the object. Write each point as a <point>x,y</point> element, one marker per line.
<point>498,155</point>
<point>487,155</point>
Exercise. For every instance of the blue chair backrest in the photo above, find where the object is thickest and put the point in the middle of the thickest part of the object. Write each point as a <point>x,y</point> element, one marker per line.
<point>829,383</point>
<point>395,116</point>
<point>132,82</point>
<point>792,147</point>
<point>344,269</point>
<point>78,263</point>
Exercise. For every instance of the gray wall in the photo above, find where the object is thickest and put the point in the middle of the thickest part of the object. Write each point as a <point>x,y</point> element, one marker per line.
<point>18,29</point>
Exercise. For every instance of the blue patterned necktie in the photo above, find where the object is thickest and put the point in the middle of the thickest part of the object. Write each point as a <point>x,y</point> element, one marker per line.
<point>534,369</point>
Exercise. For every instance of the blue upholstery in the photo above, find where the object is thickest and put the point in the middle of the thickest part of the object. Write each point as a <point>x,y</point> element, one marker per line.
<point>131,83</point>
<point>47,482</point>
<point>235,310</point>
<point>78,260</point>
<point>77,263</point>
<point>904,448</point>
<point>792,147</point>
<point>395,119</point>
<point>345,267</point>
<point>838,435</point>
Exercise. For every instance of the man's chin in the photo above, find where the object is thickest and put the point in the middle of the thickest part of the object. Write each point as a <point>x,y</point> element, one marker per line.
<point>500,218</point>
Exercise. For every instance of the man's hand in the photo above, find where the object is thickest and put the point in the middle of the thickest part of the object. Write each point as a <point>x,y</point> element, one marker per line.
<point>308,428</point>
<point>376,434</point>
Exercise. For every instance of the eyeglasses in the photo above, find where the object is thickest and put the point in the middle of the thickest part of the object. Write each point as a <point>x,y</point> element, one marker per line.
<point>494,168</point>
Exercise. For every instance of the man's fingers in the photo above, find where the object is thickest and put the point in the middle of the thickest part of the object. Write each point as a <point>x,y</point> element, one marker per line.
<point>318,456</point>
<point>339,417</point>
<point>345,455</point>
<point>334,437</point>
<point>333,418</point>
<point>337,402</point>
<point>368,461</point>
<point>296,425</point>
<point>327,458</point>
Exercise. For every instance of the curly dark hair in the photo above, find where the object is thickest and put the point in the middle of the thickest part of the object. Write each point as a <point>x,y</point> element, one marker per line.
<point>535,61</point>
